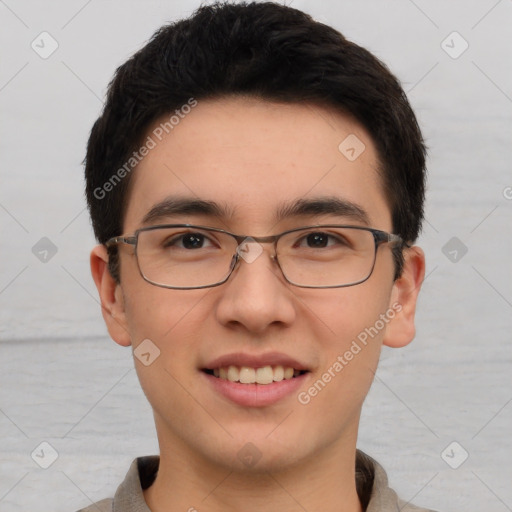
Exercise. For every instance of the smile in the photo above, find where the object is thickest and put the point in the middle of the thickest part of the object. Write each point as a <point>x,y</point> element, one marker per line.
<point>248,375</point>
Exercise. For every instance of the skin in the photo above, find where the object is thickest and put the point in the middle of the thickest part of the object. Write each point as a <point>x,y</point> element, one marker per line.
<point>252,155</point>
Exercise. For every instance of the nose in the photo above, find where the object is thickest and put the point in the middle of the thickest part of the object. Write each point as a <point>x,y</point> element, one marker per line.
<point>256,297</point>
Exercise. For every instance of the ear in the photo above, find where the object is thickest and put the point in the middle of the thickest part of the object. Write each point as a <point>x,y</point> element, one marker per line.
<point>400,330</point>
<point>111,296</point>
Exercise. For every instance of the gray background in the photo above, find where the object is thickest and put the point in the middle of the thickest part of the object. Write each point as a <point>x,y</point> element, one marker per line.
<point>64,382</point>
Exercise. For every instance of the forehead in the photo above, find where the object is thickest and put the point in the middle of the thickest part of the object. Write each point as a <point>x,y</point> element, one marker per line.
<point>256,158</point>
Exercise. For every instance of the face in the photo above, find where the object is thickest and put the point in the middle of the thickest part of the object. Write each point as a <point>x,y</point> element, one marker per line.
<point>256,160</point>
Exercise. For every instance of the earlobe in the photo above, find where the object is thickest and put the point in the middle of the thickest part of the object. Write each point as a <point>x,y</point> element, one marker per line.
<point>401,329</point>
<point>111,297</point>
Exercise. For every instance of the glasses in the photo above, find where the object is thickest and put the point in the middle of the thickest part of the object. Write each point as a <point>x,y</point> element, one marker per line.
<point>184,256</point>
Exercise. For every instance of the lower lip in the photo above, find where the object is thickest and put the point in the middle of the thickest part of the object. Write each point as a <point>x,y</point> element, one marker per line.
<point>255,395</point>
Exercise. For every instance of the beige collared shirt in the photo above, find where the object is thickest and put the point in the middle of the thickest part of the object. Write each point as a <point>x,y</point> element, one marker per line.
<point>371,479</point>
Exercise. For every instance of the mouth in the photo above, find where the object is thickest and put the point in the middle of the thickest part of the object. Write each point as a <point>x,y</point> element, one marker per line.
<point>248,375</point>
<point>255,380</point>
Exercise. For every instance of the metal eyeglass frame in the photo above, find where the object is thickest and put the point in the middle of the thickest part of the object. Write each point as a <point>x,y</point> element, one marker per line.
<point>379,237</point>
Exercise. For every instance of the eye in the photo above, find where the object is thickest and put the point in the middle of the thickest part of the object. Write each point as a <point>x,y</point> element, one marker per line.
<point>318,240</point>
<point>188,241</point>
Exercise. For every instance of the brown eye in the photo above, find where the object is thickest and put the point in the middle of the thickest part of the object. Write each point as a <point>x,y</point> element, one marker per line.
<point>317,240</point>
<point>193,241</point>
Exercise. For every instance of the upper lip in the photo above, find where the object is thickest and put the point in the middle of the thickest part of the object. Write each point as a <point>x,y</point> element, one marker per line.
<point>255,361</point>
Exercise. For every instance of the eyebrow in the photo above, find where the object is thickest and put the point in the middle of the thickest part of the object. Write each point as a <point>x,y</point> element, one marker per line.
<point>178,206</point>
<point>324,206</point>
<point>171,206</point>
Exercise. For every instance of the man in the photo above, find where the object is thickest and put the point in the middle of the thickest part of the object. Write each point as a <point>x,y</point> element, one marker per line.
<point>256,185</point>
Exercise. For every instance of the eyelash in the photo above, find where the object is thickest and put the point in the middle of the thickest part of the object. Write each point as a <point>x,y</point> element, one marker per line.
<point>180,237</point>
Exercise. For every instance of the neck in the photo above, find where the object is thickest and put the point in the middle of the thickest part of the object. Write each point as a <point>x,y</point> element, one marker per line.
<point>185,482</point>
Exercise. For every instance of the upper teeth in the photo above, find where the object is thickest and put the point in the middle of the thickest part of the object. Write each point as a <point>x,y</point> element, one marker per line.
<point>247,375</point>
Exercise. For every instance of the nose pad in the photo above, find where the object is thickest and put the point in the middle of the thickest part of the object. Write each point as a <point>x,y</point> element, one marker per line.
<point>234,261</point>
<point>249,250</point>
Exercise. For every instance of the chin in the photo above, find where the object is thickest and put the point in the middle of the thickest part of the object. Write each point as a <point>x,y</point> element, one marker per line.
<point>257,454</point>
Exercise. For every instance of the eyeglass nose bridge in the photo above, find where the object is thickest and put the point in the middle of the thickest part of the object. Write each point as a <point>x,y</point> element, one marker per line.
<point>249,249</point>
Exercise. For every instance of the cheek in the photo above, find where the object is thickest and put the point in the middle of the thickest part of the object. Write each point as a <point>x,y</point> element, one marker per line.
<point>346,314</point>
<point>350,329</point>
<point>350,355</point>
<point>164,323</point>
<point>162,314</point>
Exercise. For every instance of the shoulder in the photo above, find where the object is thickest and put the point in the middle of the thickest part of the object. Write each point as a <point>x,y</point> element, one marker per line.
<point>404,506</point>
<point>377,495</point>
<point>99,506</point>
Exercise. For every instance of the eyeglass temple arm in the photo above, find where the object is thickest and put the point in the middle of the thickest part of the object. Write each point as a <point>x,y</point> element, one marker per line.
<point>131,240</point>
<point>396,239</point>
<point>383,237</point>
